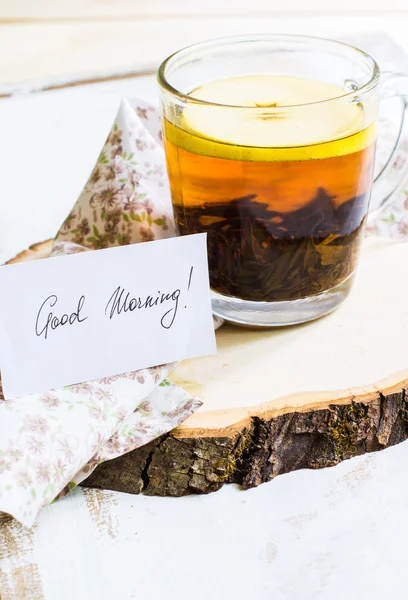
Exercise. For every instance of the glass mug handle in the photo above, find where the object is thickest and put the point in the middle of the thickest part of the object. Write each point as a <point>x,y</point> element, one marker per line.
<point>395,170</point>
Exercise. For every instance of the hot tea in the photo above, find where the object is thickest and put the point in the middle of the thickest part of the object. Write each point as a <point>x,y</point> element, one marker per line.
<point>283,196</point>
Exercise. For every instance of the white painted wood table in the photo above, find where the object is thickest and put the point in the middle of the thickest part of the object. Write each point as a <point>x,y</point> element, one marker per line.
<point>336,533</point>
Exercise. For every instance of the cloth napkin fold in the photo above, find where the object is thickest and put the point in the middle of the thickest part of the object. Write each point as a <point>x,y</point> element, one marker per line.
<point>51,442</point>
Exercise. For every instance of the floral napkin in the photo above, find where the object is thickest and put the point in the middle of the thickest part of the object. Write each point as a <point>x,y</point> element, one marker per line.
<point>51,442</point>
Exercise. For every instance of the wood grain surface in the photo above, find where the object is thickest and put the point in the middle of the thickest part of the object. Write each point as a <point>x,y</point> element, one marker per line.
<point>88,47</point>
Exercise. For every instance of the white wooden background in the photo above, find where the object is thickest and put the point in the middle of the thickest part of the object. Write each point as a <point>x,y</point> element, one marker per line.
<point>337,533</point>
<point>53,38</point>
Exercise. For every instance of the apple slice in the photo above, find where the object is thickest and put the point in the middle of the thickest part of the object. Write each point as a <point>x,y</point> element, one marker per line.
<point>271,111</point>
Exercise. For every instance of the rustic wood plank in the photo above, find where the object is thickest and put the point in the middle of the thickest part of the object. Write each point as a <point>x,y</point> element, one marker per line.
<point>91,48</point>
<point>21,580</point>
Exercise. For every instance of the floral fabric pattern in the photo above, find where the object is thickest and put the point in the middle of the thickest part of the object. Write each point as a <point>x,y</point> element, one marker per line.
<point>392,219</point>
<point>126,199</point>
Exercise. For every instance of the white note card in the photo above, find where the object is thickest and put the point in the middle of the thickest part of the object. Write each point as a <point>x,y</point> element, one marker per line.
<point>89,315</point>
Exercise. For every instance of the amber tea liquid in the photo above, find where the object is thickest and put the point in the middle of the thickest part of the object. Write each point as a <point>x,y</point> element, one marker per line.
<point>283,201</point>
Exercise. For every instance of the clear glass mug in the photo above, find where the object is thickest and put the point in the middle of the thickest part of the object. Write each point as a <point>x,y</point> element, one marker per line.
<point>270,144</point>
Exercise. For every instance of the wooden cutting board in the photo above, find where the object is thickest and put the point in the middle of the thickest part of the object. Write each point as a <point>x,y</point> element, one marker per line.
<point>279,400</point>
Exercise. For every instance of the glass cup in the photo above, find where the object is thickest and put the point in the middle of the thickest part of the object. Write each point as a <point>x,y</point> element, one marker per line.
<point>270,144</point>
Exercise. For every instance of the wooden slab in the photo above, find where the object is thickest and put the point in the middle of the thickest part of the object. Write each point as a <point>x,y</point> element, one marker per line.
<point>284,399</point>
